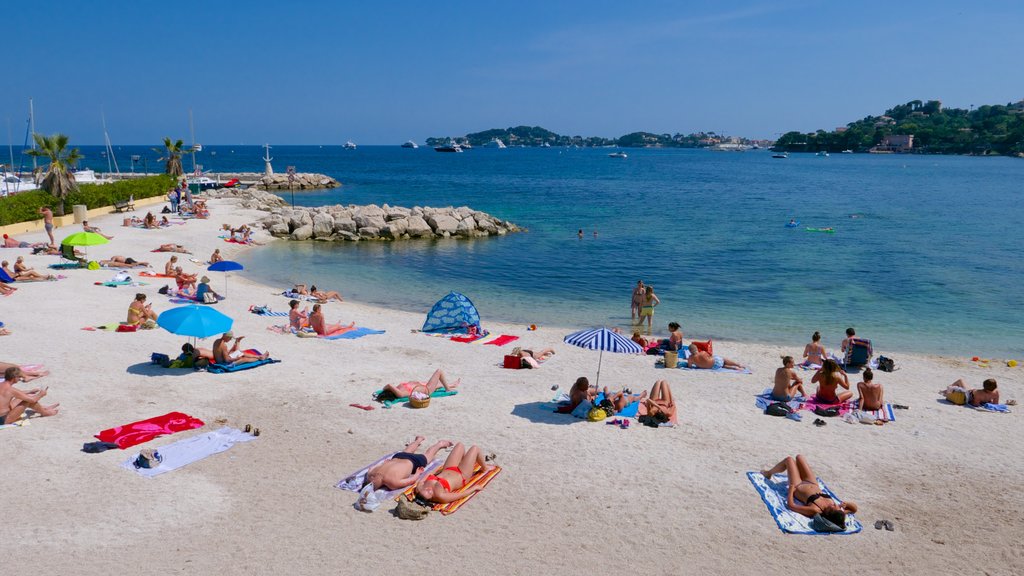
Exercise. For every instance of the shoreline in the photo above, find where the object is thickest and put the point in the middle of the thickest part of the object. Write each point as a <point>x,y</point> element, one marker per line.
<point>270,505</point>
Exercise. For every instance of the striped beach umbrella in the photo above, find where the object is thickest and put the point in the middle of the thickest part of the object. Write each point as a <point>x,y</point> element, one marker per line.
<point>603,339</point>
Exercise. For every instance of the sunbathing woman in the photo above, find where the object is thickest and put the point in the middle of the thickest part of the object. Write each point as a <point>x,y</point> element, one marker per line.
<point>531,359</point>
<point>404,467</point>
<point>828,378</point>
<point>26,373</point>
<point>5,289</point>
<point>437,380</point>
<point>318,324</point>
<point>170,266</point>
<point>216,257</point>
<point>622,398</point>
<point>122,262</point>
<point>324,295</point>
<point>659,404</point>
<point>185,281</point>
<point>14,402</point>
<point>23,273</point>
<point>806,497</point>
<point>458,468</point>
<point>172,248</point>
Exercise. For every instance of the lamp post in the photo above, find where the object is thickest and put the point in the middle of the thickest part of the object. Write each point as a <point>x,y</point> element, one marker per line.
<point>291,183</point>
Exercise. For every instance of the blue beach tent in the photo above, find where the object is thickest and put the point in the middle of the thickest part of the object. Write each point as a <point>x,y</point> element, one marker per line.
<point>453,314</point>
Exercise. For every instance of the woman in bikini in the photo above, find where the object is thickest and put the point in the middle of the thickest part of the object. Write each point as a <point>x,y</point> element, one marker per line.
<point>26,274</point>
<point>659,404</point>
<point>637,301</point>
<point>828,379</point>
<point>457,470</point>
<point>437,380</point>
<point>647,310</point>
<point>531,359</point>
<point>806,497</point>
<point>814,352</point>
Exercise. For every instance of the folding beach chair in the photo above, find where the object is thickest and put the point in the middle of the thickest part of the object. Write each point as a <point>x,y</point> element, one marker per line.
<point>858,352</point>
<point>68,258</point>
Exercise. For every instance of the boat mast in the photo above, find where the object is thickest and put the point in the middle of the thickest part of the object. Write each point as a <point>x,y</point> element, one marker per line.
<point>10,150</point>
<point>32,133</point>
<point>110,149</point>
<point>192,129</point>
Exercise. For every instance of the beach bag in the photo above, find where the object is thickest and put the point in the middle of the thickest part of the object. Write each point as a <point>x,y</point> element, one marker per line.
<point>596,414</point>
<point>407,510</point>
<point>161,359</point>
<point>827,412</point>
<point>209,298</point>
<point>886,364</point>
<point>671,359</point>
<point>164,290</point>
<point>512,362</point>
<point>958,397</point>
<point>778,409</point>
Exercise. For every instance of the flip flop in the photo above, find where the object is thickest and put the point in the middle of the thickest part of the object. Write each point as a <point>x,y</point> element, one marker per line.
<point>879,524</point>
<point>889,526</point>
<point>900,407</point>
<point>362,407</point>
<point>819,422</point>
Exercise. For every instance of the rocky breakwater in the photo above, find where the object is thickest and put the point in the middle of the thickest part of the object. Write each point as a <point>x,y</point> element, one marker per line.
<point>372,222</point>
<point>303,181</point>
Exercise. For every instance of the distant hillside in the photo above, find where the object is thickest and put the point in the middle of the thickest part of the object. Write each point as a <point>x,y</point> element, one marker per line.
<point>986,130</point>
<point>537,136</point>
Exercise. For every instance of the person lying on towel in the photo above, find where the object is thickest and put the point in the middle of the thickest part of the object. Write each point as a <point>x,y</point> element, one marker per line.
<point>806,497</point>
<point>437,380</point>
<point>456,471</point>
<point>531,359</point>
<point>701,359</point>
<point>403,468</point>
<point>232,357</point>
<point>959,394</point>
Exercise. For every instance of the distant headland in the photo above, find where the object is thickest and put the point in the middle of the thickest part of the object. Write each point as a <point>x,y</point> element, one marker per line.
<point>535,136</point>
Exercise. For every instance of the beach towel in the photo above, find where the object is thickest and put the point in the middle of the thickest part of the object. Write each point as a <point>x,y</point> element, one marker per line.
<point>354,481</point>
<point>439,393</point>
<point>221,368</point>
<point>265,311</point>
<point>989,407</point>
<point>764,399</point>
<point>352,334</point>
<point>681,365</point>
<point>628,411</point>
<point>184,452</point>
<point>467,338</point>
<point>149,274</point>
<point>885,413</point>
<point>297,296</point>
<point>479,478</point>
<point>65,266</point>
<point>129,435</point>
<point>501,340</point>
<point>813,403</point>
<point>775,494</point>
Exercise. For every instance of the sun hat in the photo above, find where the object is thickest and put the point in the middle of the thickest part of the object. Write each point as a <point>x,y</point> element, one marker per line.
<point>205,279</point>
<point>229,335</point>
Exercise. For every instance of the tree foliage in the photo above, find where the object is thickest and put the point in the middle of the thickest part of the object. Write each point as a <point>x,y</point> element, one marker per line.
<point>58,180</point>
<point>173,151</point>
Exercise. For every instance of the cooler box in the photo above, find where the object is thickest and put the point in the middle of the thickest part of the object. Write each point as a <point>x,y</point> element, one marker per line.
<point>514,362</point>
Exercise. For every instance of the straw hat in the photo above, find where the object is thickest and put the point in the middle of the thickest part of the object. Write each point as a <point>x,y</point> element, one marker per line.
<point>205,279</point>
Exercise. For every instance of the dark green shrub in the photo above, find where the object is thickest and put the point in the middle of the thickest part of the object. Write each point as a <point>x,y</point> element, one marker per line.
<point>25,206</point>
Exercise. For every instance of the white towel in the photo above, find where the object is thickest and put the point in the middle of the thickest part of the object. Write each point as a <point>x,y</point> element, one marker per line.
<point>184,452</point>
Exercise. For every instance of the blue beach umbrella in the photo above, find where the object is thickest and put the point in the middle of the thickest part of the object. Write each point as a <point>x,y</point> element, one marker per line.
<point>194,320</point>
<point>604,340</point>
<point>225,266</point>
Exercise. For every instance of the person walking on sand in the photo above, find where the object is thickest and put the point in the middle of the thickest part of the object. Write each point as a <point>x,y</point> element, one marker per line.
<point>14,402</point>
<point>637,301</point>
<point>402,470</point>
<point>647,310</point>
<point>48,222</point>
<point>456,471</point>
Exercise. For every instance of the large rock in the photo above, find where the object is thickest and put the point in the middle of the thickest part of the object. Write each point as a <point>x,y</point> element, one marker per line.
<point>369,232</point>
<point>323,225</point>
<point>396,213</point>
<point>394,229</point>
<point>304,232</point>
<point>298,219</point>
<point>367,221</point>
<point>466,227</point>
<point>370,211</point>
<point>278,229</point>
<point>417,227</point>
<point>463,212</point>
<point>345,225</point>
<point>442,224</point>
<point>486,225</point>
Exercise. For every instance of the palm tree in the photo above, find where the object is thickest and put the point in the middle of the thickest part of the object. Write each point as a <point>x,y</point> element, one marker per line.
<point>58,180</point>
<point>174,151</point>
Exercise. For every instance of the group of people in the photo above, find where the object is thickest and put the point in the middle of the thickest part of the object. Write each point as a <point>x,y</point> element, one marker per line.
<point>306,319</point>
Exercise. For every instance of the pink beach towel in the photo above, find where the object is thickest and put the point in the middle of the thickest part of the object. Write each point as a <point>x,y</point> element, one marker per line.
<point>501,340</point>
<point>813,402</point>
<point>145,430</point>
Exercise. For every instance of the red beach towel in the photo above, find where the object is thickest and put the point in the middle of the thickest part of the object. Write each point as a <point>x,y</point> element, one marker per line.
<point>145,430</point>
<point>466,339</point>
<point>501,340</point>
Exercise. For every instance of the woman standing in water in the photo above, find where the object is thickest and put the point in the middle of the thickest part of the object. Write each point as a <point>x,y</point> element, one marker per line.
<point>647,310</point>
<point>638,300</point>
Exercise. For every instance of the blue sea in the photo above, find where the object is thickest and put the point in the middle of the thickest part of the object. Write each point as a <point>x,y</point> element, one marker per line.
<point>925,257</point>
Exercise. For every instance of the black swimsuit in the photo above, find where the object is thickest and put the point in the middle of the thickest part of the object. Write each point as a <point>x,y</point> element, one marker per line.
<point>418,460</point>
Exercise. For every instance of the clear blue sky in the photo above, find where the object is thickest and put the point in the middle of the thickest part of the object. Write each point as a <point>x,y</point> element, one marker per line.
<point>384,72</point>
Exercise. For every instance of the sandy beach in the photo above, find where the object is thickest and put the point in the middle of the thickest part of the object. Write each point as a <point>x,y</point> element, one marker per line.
<point>573,498</point>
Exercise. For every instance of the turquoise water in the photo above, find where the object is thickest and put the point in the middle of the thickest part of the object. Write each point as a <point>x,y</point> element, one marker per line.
<point>926,256</point>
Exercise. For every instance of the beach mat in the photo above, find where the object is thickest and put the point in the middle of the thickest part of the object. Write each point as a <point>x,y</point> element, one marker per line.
<point>775,494</point>
<point>681,365</point>
<point>221,368</point>
<point>135,433</point>
<point>478,479</point>
<point>439,393</point>
<point>154,275</point>
<point>184,452</point>
<point>265,311</point>
<point>352,334</point>
<point>501,340</point>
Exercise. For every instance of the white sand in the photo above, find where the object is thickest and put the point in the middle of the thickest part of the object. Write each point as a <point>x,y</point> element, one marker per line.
<point>574,498</point>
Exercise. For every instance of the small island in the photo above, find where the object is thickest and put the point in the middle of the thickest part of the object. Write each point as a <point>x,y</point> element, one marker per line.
<point>535,136</point>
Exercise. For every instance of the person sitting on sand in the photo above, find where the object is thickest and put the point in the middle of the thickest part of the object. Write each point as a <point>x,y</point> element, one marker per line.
<point>402,469</point>
<point>14,402</point>
<point>579,393</point>
<point>675,340</point>
<point>204,288</point>
<point>828,378</point>
<point>170,266</point>
<point>164,222</point>
<point>787,382</point>
<point>186,282</point>
<point>23,273</point>
<point>959,394</point>
<point>94,230</point>
<point>231,357</point>
<point>320,326</point>
<point>659,405</point>
<point>324,295</point>
<point>172,248</point>
<point>872,396</point>
<point>12,243</point>
<point>814,352</point>
<point>197,352</point>
<point>700,359</point>
<point>216,257</point>
<point>123,262</point>
<point>643,342</point>
<point>437,380</point>
<point>26,374</point>
<point>5,289</point>
<point>457,470</point>
<point>297,319</point>
<point>807,499</point>
<point>531,359</point>
<point>149,221</point>
<point>139,311</point>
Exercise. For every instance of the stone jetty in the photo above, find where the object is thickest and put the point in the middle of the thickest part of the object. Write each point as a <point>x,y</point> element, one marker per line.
<point>371,222</point>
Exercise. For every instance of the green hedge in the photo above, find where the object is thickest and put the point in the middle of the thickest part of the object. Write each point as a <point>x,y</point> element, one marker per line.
<point>24,207</point>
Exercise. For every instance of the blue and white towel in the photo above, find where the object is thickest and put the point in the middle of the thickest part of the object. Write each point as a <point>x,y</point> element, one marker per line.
<point>775,494</point>
<point>265,311</point>
<point>682,365</point>
<point>184,452</point>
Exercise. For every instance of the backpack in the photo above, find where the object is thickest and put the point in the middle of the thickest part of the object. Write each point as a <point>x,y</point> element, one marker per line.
<point>778,409</point>
<point>886,364</point>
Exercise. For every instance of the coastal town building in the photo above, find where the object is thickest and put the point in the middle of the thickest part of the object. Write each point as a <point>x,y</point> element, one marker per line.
<point>894,144</point>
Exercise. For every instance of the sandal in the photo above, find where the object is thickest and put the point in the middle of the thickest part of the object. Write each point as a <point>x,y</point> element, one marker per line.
<point>255,431</point>
<point>248,428</point>
<point>819,422</point>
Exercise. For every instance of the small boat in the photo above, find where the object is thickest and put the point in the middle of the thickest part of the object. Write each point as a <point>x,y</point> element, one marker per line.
<point>197,147</point>
<point>203,182</point>
<point>783,155</point>
<point>87,176</point>
<point>545,145</point>
<point>792,224</point>
<point>618,155</point>
<point>495,143</point>
<point>350,145</point>
<point>448,148</point>
<point>465,146</point>
<point>847,151</point>
<point>823,153</point>
<point>410,144</point>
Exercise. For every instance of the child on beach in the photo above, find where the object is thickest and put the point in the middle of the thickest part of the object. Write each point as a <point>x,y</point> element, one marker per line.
<point>787,382</point>
<point>959,394</point>
<point>814,352</point>
<point>14,402</point>
<point>872,396</point>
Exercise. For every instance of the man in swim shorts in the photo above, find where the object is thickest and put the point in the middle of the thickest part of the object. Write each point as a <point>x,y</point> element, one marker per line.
<point>231,357</point>
<point>14,402</point>
<point>48,222</point>
<point>402,470</point>
<point>700,359</point>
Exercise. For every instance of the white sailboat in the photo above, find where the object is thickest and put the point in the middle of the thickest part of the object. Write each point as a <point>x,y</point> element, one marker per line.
<point>349,145</point>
